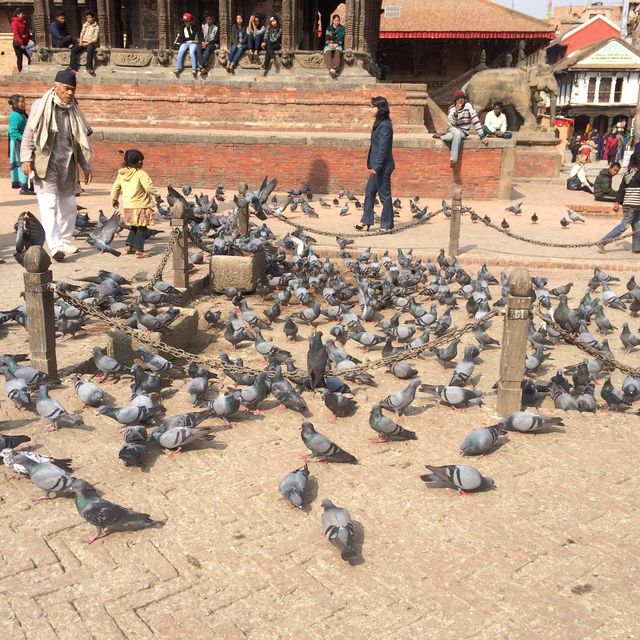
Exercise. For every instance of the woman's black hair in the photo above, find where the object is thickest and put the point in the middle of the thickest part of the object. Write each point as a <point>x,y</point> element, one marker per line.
<point>334,16</point>
<point>133,158</point>
<point>13,101</point>
<point>634,161</point>
<point>383,109</point>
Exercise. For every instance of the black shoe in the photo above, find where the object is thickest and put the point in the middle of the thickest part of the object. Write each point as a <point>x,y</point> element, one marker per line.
<point>27,192</point>
<point>360,227</point>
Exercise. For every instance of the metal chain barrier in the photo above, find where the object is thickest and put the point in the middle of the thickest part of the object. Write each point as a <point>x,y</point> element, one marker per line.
<point>362,234</point>
<point>557,245</point>
<point>583,346</point>
<point>218,364</point>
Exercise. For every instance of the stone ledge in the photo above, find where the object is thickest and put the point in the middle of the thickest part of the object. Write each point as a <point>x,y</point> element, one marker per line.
<point>596,210</point>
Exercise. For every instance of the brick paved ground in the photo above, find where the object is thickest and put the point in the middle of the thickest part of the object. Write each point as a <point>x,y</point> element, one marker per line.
<point>552,553</point>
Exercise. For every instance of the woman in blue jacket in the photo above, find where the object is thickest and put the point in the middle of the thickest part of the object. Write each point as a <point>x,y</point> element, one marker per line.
<point>381,165</point>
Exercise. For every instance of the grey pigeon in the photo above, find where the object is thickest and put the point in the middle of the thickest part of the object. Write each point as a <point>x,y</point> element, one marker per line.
<point>317,358</point>
<point>155,362</point>
<point>109,366</point>
<point>460,477</point>
<point>179,431</point>
<point>129,414</point>
<point>17,390</point>
<point>11,442</point>
<point>197,388</point>
<point>481,441</point>
<point>90,394</point>
<point>224,406</point>
<point>107,516</point>
<point>528,422</point>
<point>614,398</point>
<point>456,397</point>
<point>321,447</point>
<point>586,401</point>
<point>629,341</point>
<point>51,410</point>
<point>18,461</point>
<point>399,401</point>
<point>293,485</point>
<point>340,404</point>
<point>464,368</point>
<point>134,451</point>
<point>252,395</point>
<point>403,370</point>
<point>386,428</point>
<point>338,528</point>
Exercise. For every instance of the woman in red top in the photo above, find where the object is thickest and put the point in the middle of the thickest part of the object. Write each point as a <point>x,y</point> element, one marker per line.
<point>21,37</point>
<point>611,147</point>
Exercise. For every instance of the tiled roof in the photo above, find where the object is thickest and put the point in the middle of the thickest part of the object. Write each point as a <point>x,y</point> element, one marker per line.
<point>474,16</point>
<point>585,52</point>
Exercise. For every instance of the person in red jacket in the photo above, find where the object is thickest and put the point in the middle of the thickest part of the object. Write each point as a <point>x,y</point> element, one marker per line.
<point>21,37</point>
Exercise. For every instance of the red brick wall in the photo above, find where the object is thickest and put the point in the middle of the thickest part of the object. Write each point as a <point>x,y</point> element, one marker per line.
<point>323,168</point>
<point>534,164</point>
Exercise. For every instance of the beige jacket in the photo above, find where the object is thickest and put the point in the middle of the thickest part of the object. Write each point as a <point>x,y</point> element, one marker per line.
<point>136,188</point>
<point>90,33</point>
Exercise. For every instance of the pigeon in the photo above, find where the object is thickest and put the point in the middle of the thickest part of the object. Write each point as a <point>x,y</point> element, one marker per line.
<point>224,406</point>
<point>107,516</point>
<point>109,366</point>
<point>17,390</point>
<point>51,410</point>
<point>462,478</point>
<point>386,428</point>
<point>515,208</point>
<point>148,381</point>
<point>283,391</point>
<point>29,233</point>
<point>293,485</point>
<point>481,441</point>
<point>504,224</point>
<point>134,450</point>
<point>340,405</point>
<point>456,397</point>
<point>629,341</point>
<point>212,317</point>
<point>338,528</point>
<point>11,442</point>
<point>178,431</point>
<point>527,422</point>
<point>564,223</point>
<point>534,218</point>
<point>290,328</point>
<point>464,369</point>
<point>321,447</point>
<point>574,217</point>
<point>252,395</point>
<point>399,401</point>
<point>90,394</point>
<point>31,376</point>
<point>586,401</point>
<point>15,460</point>
<point>613,397</point>
<point>156,363</point>
<point>403,371</point>
<point>317,358</point>
<point>129,414</point>
<point>197,388</point>
<point>104,236</point>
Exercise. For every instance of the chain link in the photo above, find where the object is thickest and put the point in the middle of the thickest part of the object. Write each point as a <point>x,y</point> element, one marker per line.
<point>583,346</point>
<point>362,234</point>
<point>557,245</point>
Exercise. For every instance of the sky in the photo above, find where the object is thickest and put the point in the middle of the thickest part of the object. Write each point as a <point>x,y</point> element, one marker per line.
<point>538,8</point>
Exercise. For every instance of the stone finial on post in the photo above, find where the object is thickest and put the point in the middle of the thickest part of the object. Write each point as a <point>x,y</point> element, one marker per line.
<point>514,342</point>
<point>181,247</point>
<point>41,323</point>
<point>454,227</point>
<point>243,210</point>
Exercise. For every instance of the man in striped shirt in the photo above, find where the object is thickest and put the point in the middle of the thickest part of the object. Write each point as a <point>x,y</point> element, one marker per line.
<point>461,116</point>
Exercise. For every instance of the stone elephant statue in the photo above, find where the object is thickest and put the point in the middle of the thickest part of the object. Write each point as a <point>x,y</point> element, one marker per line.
<point>512,87</point>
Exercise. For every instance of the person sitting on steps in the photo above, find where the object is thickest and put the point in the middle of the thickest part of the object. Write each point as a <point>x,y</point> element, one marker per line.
<point>187,39</point>
<point>334,44</point>
<point>60,38</point>
<point>88,41</point>
<point>603,191</point>
<point>495,123</point>
<point>255,34</point>
<point>238,43</point>
<point>577,180</point>
<point>209,36</point>
<point>272,40</point>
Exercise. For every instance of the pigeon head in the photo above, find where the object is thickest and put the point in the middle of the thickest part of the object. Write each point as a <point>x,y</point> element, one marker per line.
<point>327,504</point>
<point>103,409</point>
<point>307,427</point>
<point>295,498</point>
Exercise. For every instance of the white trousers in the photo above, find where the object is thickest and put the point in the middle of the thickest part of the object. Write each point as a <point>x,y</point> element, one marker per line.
<point>58,217</point>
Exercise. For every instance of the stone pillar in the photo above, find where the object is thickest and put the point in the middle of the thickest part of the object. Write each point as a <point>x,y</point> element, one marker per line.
<point>181,247</point>
<point>41,323</point>
<point>42,18</point>
<point>454,227</point>
<point>349,25</point>
<point>290,26</point>
<point>514,342</point>
<point>105,14</point>
<point>224,26</point>
<point>243,211</point>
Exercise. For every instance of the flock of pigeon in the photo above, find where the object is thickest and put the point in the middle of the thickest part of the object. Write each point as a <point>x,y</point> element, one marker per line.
<point>362,301</point>
<point>516,209</point>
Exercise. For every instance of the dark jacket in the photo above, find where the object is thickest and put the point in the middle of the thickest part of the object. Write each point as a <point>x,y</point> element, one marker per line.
<point>380,155</point>
<point>181,38</point>
<point>58,32</point>
<point>238,35</point>
<point>273,34</point>
<point>334,36</point>
<point>602,185</point>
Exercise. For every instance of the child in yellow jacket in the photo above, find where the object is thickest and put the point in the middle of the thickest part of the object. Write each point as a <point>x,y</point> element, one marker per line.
<point>138,199</point>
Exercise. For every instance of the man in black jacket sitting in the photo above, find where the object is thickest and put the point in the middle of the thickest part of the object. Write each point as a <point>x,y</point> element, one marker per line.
<point>603,191</point>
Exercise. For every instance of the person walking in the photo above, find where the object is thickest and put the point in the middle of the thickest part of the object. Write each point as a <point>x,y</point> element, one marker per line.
<point>88,41</point>
<point>21,37</point>
<point>139,197</point>
<point>461,116</point>
<point>381,165</point>
<point>272,42</point>
<point>334,44</point>
<point>629,198</point>
<point>17,123</point>
<point>55,142</point>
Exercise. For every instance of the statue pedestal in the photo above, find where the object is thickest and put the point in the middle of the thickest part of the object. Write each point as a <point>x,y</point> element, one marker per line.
<point>239,272</point>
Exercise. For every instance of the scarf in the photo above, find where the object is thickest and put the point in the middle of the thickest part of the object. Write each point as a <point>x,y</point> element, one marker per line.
<point>45,127</point>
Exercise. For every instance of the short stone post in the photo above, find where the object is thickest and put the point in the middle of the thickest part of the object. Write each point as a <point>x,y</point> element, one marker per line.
<point>514,342</point>
<point>41,322</point>
<point>454,228</point>
<point>181,247</point>
<point>243,211</point>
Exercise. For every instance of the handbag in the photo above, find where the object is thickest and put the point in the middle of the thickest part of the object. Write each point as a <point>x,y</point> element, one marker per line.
<point>573,183</point>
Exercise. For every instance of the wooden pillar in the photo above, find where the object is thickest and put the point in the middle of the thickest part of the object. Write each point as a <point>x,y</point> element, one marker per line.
<point>181,247</point>
<point>225,21</point>
<point>41,322</point>
<point>164,25</point>
<point>243,210</point>
<point>514,342</point>
<point>106,21</point>
<point>454,226</point>
<point>349,25</point>
<point>43,16</point>
<point>290,26</point>
<point>71,9</point>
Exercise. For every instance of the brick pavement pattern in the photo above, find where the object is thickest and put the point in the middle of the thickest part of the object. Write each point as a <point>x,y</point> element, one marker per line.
<point>553,552</point>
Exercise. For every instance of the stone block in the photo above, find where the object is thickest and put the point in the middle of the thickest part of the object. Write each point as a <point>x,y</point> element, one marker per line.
<point>182,332</point>
<point>241,272</point>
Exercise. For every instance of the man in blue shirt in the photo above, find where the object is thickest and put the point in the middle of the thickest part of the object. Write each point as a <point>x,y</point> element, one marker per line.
<point>60,38</point>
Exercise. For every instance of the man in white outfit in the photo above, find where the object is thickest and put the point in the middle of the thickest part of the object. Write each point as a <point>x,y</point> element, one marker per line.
<point>55,142</point>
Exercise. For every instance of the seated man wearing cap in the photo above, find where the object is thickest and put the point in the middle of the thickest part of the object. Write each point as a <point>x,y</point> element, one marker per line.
<point>187,40</point>
<point>461,116</point>
<point>54,143</point>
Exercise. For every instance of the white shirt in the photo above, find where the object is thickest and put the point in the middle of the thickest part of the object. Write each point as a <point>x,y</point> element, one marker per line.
<point>494,122</point>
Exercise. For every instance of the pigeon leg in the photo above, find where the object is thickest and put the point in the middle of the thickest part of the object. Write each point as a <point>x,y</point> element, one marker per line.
<point>306,456</point>
<point>463,493</point>
<point>50,427</point>
<point>333,418</point>
<point>378,440</point>
<point>100,533</point>
<point>173,452</point>
<point>39,499</point>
